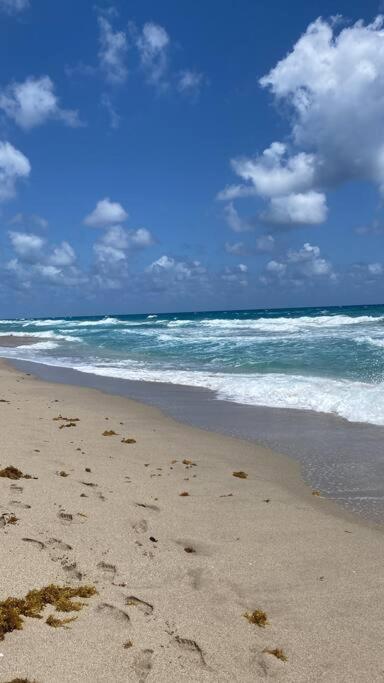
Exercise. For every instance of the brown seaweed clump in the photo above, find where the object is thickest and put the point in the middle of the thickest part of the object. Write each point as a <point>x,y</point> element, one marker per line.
<point>277,652</point>
<point>184,493</point>
<point>12,610</point>
<point>11,472</point>
<point>66,419</point>
<point>128,440</point>
<point>109,432</point>
<point>257,617</point>
<point>240,475</point>
<point>68,424</point>
<point>58,623</point>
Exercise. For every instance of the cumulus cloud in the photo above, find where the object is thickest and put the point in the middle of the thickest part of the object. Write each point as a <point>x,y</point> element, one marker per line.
<point>332,86</point>
<point>13,166</point>
<point>303,208</point>
<point>13,6</point>
<point>299,266</point>
<point>113,52</point>
<point>36,262</point>
<point>105,214</point>
<point>33,102</point>
<point>112,252</point>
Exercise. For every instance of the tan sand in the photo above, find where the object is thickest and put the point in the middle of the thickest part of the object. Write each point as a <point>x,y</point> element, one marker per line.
<point>161,613</point>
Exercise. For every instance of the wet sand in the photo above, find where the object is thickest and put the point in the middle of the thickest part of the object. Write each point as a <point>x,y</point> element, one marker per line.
<point>11,341</point>
<point>344,460</point>
<point>175,574</point>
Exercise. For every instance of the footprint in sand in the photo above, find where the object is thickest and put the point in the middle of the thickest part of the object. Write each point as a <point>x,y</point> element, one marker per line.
<point>58,549</point>
<point>141,527</point>
<point>106,609</point>
<point>38,544</point>
<point>19,504</point>
<point>144,607</point>
<point>107,571</point>
<point>72,571</point>
<point>155,508</point>
<point>16,487</point>
<point>142,665</point>
<point>190,650</point>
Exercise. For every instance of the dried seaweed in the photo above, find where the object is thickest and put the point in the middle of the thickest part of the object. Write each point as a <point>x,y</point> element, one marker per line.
<point>128,440</point>
<point>66,419</point>
<point>11,472</point>
<point>12,610</point>
<point>240,475</point>
<point>109,432</point>
<point>277,652</point>
<point>189,549</point>
<point>59,623</point>
<point>257,617</point>
<point>184,493</point>
<point>68,424</point>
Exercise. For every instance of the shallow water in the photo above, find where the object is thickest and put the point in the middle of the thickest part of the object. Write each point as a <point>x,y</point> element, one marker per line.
<point>328,360</point>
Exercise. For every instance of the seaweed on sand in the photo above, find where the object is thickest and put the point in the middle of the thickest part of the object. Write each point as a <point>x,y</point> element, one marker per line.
<point>12,610</point>
<point>277,652</point>
<point>66,419</point>
<point>240,475</point>
<point>109,432</point>
<point>11,472</point>
<point>128,440</point>
<point>257,617</point>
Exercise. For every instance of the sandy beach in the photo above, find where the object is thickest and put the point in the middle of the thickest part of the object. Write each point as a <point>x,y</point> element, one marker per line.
<point>177,548</point>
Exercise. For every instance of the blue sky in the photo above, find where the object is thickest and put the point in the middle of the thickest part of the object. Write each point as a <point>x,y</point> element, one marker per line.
<point>184,156</point>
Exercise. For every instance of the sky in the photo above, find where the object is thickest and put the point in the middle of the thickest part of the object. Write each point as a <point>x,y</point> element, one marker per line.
<point>182,156</point>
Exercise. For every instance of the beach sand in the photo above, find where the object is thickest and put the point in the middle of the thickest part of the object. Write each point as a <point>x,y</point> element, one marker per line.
<point>175,574</point>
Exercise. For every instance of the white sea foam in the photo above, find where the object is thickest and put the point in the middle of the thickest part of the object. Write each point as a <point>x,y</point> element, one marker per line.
<point>44,334</point>
<point>354,401</point>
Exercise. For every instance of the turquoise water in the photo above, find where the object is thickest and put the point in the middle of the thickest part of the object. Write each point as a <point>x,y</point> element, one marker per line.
<point>323,359</point>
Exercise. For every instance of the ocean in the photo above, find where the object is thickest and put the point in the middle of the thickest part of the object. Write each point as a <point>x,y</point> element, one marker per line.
<point>327,360</point>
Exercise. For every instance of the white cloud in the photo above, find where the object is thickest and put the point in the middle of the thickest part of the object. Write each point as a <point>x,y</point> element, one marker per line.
<point>13,166</point>
<point>375,268</point>
<point>39,263</point>
<point>33,102</point>
<point>235,275</point>
<point>189,82</point>
<point>105,214</point>
<point>113,52</point>
<point>114,117</point>
<point>303,208</point>
<point>276,268</point>
<point>63,255</point>
<point>298,266</point>
<point>332,86</point>
<point>13,6</point>
<point>26,245</point>
<point>152,43</point>
<point>235,222</point>
<point>265,243</point>
<point>33,219</point>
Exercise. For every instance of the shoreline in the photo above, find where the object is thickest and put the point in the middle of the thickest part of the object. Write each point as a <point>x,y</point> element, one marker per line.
<point>327,447</point>
<point>175,575</point>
